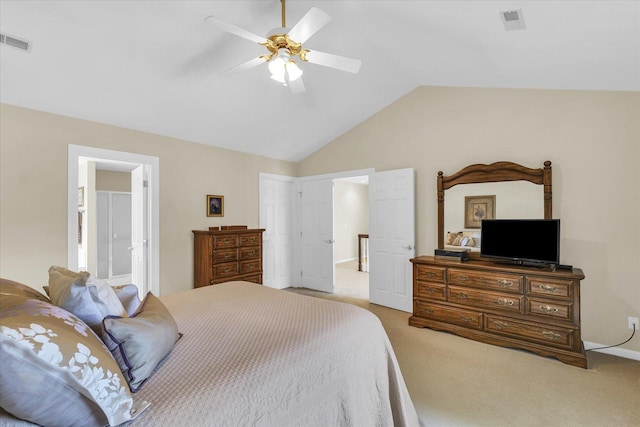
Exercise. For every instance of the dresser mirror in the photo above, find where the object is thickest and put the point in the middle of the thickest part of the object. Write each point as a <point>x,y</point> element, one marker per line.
<point>520,192</point>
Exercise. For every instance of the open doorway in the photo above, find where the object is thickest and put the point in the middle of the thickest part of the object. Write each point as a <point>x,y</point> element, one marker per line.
<point>143,248</point>
<point>351,230</point>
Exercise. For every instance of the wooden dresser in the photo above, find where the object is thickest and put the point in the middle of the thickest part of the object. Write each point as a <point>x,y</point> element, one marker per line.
<point>225,255</point>
<point>529,308</point>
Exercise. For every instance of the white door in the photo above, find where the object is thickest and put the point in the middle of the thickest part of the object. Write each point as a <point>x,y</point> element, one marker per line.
<point>316,225</point>
<point>391,238</point>
<point>138,230</point>
<point>276,207</point>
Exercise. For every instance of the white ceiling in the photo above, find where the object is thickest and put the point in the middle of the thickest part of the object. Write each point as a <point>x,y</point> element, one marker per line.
<point>155,66</point>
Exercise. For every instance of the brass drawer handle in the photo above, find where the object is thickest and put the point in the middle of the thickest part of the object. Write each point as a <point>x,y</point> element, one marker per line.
<point>548,309</point>
<point>427,311</point>
<point>430,274</point>
<point>227,256</point>
<point>251,265</point>
<point>429,290</point>
<point>466,319</point>
<point>505,302</point>
<point>251,252</point>
<point>461,295</point>
<point>227,241</point>
<point>551,335</point>
<point>505,283</point>
<point>548,288</point>
<point>462,278</point>
<point>500,325</point>
<point>228,269</point>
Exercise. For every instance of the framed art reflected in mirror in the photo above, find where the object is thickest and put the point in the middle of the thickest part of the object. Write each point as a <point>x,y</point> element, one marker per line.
<point>477,208</point>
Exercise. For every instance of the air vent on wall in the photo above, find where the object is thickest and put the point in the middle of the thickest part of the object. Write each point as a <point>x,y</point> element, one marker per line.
<point>18,43</point>
<point>513,19</point>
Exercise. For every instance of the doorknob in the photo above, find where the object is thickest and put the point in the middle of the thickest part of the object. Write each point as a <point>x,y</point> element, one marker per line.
<point>408,247</point>
<point>329,241</point>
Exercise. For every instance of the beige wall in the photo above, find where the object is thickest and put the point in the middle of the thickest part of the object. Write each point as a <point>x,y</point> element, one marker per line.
<point>350,218</point>
<point>113,181</point>
<point>33,189</point>
<point>593,140</point>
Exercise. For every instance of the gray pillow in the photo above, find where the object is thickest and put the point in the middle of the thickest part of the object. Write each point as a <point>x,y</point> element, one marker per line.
<point>89,299</point>
<point>128,296</point>
<point>140,342</point>
<point>55,371</point>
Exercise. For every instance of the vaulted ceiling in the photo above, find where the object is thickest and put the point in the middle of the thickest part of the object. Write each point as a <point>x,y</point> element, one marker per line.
<point>155,66</point>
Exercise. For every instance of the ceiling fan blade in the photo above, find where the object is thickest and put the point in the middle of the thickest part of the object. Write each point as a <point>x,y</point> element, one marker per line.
<point>296,86</point>
<point>234,29</point>
<point>334,61</point>
<point>308,25</point>
<point>244,66</point>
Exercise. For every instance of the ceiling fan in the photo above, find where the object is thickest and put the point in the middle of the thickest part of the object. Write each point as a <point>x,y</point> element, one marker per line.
<point>284,45</point>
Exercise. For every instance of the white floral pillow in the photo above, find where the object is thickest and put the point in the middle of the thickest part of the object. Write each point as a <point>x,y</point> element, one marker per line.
<point>56,371</point>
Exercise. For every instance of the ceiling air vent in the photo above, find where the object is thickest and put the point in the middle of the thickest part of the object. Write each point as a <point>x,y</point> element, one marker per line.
<point>6,39</point>
<point>512,19</point>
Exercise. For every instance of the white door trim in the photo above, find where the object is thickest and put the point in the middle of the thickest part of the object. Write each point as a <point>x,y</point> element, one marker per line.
<point>74,153</point>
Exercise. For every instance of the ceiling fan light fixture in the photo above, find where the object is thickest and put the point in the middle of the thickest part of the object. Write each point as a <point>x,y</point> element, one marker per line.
<point>293,71</point>
<point>282,64</point>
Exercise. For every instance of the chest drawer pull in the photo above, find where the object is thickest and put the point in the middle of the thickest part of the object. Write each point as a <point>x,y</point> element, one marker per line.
<point>227,256</point>
<point>252,252</point>
<point>548,288</point>
<point>462,278</point>
<point>427,311</point>
<point>466,319</point>
<point>548,309</point>
<point>551,335</point>
<point>251,265</point>
<point>506,302</point>
<point>461,295</point>
<point>500,325</point>
<point>227,241</point>
<point>228,269</point>
<point>505,283</point>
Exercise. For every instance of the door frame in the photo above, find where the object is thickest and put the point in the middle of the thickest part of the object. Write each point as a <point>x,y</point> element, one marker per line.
<point>74,153</point>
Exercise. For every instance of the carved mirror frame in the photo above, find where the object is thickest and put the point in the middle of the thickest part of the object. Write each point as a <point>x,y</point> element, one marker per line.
<point>494,172</point>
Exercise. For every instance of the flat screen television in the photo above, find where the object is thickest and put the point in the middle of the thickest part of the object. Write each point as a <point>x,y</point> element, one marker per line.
<point>521,241</point>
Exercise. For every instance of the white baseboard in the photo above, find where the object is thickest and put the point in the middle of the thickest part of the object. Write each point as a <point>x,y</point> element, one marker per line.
<point>346,260</point>
<point>615,351</point>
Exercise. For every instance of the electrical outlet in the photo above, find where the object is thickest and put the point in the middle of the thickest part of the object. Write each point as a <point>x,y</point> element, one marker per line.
<point>633,323</point>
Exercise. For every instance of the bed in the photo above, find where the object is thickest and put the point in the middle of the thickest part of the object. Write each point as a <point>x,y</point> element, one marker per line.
<point>250,355</point>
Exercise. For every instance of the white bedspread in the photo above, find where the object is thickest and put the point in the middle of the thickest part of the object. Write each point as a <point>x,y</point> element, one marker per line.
<point>255,356</point>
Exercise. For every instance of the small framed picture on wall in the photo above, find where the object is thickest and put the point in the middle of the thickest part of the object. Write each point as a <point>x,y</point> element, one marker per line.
<point>215,205</point>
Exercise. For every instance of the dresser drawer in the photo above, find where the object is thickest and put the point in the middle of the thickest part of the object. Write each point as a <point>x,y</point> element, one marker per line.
<point>249,266</point>
<point>554,309</point>
<point>250,239</point>
<point>230,241</point>
<point>554,288</point>
<point>431,290</point>
<point>486,299</point>
<point>224,270</point>
<point>255,278</point>
<point>545,334</point>
<point>466,318</point>
<point>250,252</point>
<point>225,255</point>
<point>503,282</point>
<point>430,274</point>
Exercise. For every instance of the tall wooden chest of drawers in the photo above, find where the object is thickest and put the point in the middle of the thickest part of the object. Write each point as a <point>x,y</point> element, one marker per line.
<point>226,255</point>
<point>529,308</point>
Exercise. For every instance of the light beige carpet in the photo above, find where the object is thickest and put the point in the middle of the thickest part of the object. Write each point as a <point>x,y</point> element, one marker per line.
<point>454,381</point>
